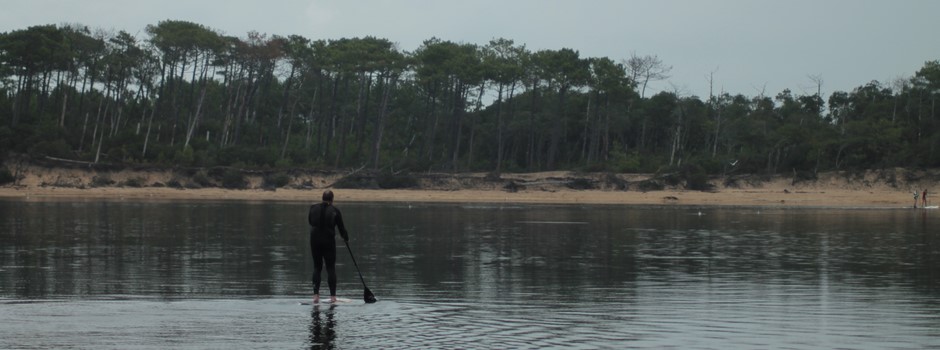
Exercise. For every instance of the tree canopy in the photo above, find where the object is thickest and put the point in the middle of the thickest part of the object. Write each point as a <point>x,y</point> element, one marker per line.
<point>187,95</point>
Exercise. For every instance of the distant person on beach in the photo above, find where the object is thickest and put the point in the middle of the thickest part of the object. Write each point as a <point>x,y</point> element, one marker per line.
<point>923,198</point>
<point>323,218</point>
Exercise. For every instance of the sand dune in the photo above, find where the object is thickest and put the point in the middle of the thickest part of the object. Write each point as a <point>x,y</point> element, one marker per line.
<point>892,188</point>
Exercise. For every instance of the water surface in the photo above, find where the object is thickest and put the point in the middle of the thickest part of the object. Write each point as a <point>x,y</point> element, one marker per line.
<point>136,274</point>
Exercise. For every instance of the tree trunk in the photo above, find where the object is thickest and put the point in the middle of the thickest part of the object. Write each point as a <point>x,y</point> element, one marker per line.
<point>65,103</point>
<point>94,132</point>
<point>175,103</point>
<point>362,106</point>
<point>605,138</point>
<point>332,122</point>
<point>17,96</point>
<point>530,150</point>
<point>557,129</point>
<point>343,133</point>
<point>586,131</point>
<point>195,119</point>
<point>310,117</point>
<point>675,144</point>
<point>44,90</point>
<point>499,130</point>
<point>81,142</point>
<point>431,103</point>
<point>290,124</point>
<point>380,121</point>
<point>458,109</point>
<point>717,133</point>
<point>143,152</point>
<point>98,151</point>
<point>287,87</point>
<point>473,123</point>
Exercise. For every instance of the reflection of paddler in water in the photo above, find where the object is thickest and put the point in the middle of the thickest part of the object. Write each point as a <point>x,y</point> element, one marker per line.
<point>322,332</point>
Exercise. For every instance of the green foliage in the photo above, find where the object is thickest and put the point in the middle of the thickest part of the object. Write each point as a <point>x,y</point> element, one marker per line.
<point>133,182</point>
<point>626,162</point>
<point>689,176</point>
<point>174,183</point>
<point>6,141</point>
<point>388,180</point>
<point>184,157</point>
<point>696,178</point>
<point>803,176</point>
<point>706,165</point>
<point>580,184</point>
<point>357,182</point>
<point>52,148</point>
<point>274,102</point>
<point>6,177</point>
<point>234,179</point>
<point>102,180</point>
<point>616,182</point>
<point>201,178</point>
<point>283,163</point>
<point>203,158</point>
<point>650,185</point>
<point>117,154</point>
<point>275,180</point>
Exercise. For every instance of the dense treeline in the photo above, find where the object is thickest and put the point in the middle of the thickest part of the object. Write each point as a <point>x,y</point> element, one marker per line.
<point>187,95</point>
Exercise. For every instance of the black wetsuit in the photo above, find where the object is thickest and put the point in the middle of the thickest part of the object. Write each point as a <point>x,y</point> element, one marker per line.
<point>323,218</point>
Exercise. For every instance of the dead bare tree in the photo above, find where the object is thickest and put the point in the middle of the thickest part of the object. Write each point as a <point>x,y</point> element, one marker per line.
<point>898,86</point>
<point>644,69</point>
<point>817,79</point>
<point>716,104</point>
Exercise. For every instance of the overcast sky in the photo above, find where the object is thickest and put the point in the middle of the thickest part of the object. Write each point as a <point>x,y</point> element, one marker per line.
<point>750,45</point>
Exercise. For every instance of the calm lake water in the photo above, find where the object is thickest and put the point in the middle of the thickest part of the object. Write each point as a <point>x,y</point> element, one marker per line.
<point>177,274</point>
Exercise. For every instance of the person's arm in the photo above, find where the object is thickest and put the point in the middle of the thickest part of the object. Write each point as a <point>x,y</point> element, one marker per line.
<point>342,228</point>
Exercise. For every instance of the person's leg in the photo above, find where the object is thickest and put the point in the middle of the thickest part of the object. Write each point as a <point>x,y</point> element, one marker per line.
<point>317,268</point>
<point>330,258</point>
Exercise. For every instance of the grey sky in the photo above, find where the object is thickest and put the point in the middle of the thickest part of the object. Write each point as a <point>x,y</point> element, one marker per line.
<point>751,45</point>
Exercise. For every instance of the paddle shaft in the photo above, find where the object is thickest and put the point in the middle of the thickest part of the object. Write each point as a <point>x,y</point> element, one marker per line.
<point>357,265</point>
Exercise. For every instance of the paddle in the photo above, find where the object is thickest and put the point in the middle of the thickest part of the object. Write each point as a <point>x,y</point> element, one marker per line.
<point>367,294</point>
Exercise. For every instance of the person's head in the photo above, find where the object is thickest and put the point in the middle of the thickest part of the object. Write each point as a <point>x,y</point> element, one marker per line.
<point>328,196</point>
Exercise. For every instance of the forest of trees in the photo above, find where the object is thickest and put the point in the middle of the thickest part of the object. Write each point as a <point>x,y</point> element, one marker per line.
<point>186,95</point>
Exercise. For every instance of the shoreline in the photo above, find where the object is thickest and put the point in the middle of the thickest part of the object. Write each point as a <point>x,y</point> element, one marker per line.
<point>754,197</point>
<point>886,188</point>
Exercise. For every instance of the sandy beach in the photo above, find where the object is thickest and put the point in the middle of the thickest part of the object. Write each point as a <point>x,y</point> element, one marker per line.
<point>732,197</point>
<point>869,190</point>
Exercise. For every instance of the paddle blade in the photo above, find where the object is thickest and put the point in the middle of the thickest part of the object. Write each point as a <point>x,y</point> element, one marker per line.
<point>368,296</point>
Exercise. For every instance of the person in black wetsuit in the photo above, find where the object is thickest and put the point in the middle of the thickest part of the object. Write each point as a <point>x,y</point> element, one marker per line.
<point>323,218</point>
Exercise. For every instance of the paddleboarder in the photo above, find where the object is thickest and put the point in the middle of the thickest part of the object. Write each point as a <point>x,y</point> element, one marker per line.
<point>923,198</point>
<point>324,218</point>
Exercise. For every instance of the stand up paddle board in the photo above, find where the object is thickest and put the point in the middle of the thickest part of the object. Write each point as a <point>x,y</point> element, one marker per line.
<point>326,301</point>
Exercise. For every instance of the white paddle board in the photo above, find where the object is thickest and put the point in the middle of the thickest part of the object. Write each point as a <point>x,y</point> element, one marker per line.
<point>326,301</point>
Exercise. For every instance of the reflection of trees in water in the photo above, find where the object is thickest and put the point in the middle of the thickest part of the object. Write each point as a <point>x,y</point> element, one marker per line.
<point>484,251</point>
<point>207,248</point>
<point>322,332</point>
<point>152,248</point>
<point>805,246</point>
